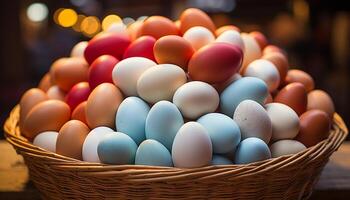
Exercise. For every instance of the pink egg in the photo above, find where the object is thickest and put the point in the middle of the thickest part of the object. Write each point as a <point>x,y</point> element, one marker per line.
<point>79,93</point>
<point>101,69</point>
<point>141,47</point>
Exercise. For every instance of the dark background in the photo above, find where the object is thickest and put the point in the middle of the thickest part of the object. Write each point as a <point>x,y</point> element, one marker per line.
<point>315,33</point>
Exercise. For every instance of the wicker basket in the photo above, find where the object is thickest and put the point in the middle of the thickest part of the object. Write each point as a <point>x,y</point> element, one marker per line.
<point>287,177</point>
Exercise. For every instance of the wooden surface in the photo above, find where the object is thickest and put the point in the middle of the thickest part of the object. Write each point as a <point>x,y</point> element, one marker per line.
<point>334,183</point>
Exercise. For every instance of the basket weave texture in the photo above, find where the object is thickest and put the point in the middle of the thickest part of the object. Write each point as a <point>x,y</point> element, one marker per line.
<point>287,177</point>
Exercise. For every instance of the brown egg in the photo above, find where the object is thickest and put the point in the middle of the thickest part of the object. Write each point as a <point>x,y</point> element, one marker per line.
<point>260,38</point>
<point>226,28</point>
<point>158,26</point>
<point>194,17</point>
<point>318,99</point>
<point>48,115</point>
<point>293,95</point>
<point>280,61</point>
<point>45,82</point>
<point>314,127</point>
<point>173,49</point>
<point>102,105</point>
<point>177,24</point>
<point>295,75</point>
<point>271,48</point>
<point>54,92</point>
<point>71,138</point>
<point>79,112</point>
<point>66,72</point>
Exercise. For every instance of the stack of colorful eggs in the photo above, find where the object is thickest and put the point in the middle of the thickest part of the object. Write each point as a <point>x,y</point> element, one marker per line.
<point>181,94</point>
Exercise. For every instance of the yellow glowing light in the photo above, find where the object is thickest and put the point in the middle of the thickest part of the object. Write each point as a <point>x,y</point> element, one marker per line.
<point>90,26</point>
<point>77,25</point>
<point>55,15</point>
<point>109,20</point>
<point>67,18</point>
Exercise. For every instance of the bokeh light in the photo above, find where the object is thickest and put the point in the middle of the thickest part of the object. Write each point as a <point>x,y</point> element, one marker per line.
<point>128,20</point>
<point>67,17</point>
<point>109,20</point>
<point>90,26</point>
<point>37,12</point>
<point>77,26</point>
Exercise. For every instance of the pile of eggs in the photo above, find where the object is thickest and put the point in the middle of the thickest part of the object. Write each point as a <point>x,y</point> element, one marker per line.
<point>183,94</point>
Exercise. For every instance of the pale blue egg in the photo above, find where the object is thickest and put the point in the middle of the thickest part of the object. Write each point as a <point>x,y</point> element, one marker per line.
<point>162,123</point>
<point>220,160</point>
<point>152,152</point>
<point>131,118</point>
<point>224,133</point>
<point>117,148</point>
<point>242,89</point>
<point>252,150</point>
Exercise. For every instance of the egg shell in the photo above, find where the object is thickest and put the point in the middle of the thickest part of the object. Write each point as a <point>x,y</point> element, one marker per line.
<point>285,121</point>
<point>271,49</point>
<point>195,99</point>
<point>162,123</point>
<point>131,118</point>
<point>215,63</point>
<point>152,152</point>
<point>280,61</point>
<point>222,29</point>
<point>192,17</point>
<point>314,127</point>
<point>46,140</point>
<point>295,75</point>
<point>126,73</point>
<point>77,94</point>
<point>252,150</point>
<point>117,148</point>
<point>198,37</point>
<point>242,89</point>
<point>48,115</point>
<point>54,92</point>
<point>160,82</point>
<point>260,38</point>
<point>252,50</point>
<point>106,44</point>
<point>71,138</point>
<point>66,72</point>
<point>231,37</point>
<point>118,29</point>
<point>286,147</point>
<point>173,49</point>
<point>141,47</point>
<point>134,30</point>
<point>78,49</point>
<point>102,105</point>
<point>192,146</point>
<point>100,70</point>
<point>91,142</point>
<point>220,160</point>
<point>319,99</point>
<point>158,26</point>
<point>45,82</point>
<point>221,86</point>
<point>224,133</point>
<point>79,112</point>
<point>293,95</point>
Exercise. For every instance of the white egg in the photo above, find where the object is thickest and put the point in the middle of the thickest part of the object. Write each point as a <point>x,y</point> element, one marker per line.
<point>286,147</point>
<point>231,37</point>
<point>196,98</point>
<point>198,36</point>
<point>78,49</point>
<point>284,120</point>
<point>46,140</point>
<point>118,28</point>
<point>266,71</point>
<point>252,49</point>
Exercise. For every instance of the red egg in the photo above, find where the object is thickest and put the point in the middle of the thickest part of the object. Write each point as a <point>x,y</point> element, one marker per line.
<point>79,93</point>
<point>293,95</point>
<point>101,69</point>
<point>141,47</point>
<point>106,44</point>
<point>215,62</point>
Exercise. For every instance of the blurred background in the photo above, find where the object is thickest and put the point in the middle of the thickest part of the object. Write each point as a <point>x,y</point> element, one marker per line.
<point>315,33</point>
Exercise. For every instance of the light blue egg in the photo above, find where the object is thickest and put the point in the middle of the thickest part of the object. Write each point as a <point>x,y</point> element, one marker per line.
<point>162,123</point>
<point>131,118</point>
<point>252,150</point>
<point>242,89</point>
<point>220,160</point>
<point>152,152</point>
<point>224,133</point>
<point>117,148</point>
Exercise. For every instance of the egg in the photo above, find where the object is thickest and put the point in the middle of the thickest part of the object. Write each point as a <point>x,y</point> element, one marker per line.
<point>118,29</point>
<point>285,121</point>
<point>91,142</point>
<point>78,49</point>
<point>54,92</point>
<point>198,37</point>
<point>192,17</point>
<point>46,140</point>
<point>252,50</point>
<point>314,127</point>
<point>173,49</point>
<point>319,99</point>
<point>48,115</point>
<point>77,94</point>
<point>231,37</point>
<point>151,152</point>
<point>252,150</point>
<point>100,70</point>
<point>126,73</point>
<point>106,44</point>
<point>224,133</point>
<point>271,49</point>
<point>268,99</point>
<point>220,160</point>
<point>134,29</point>
<point>215,63</point>
<point>45,82</point>
<point>71,138</point>
<point>192,146</point>
<point>165,79</point>
<point>286,147</point>
<point>196,98</point>
<point>79,112</point>
<point>158,26</point>
<point>293,95</point>
<point>117,148</point>
<point>162,123</point>
<point>221,86</point>
<point>260,38</point>
<point>102,105</point>
<point>131,118</point>
<point>295,75</point>
<point>141,47</point>
<point>222,29</point>
<point>280,61</point>
<point>242,89</point>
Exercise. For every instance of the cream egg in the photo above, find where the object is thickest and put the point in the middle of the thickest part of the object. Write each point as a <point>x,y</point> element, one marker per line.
<point>286,147</point>
<point>198,37</point>
<point>252,50</point>
<point>78,49</point>
<point>231,37</point>
<point>46,140</point>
